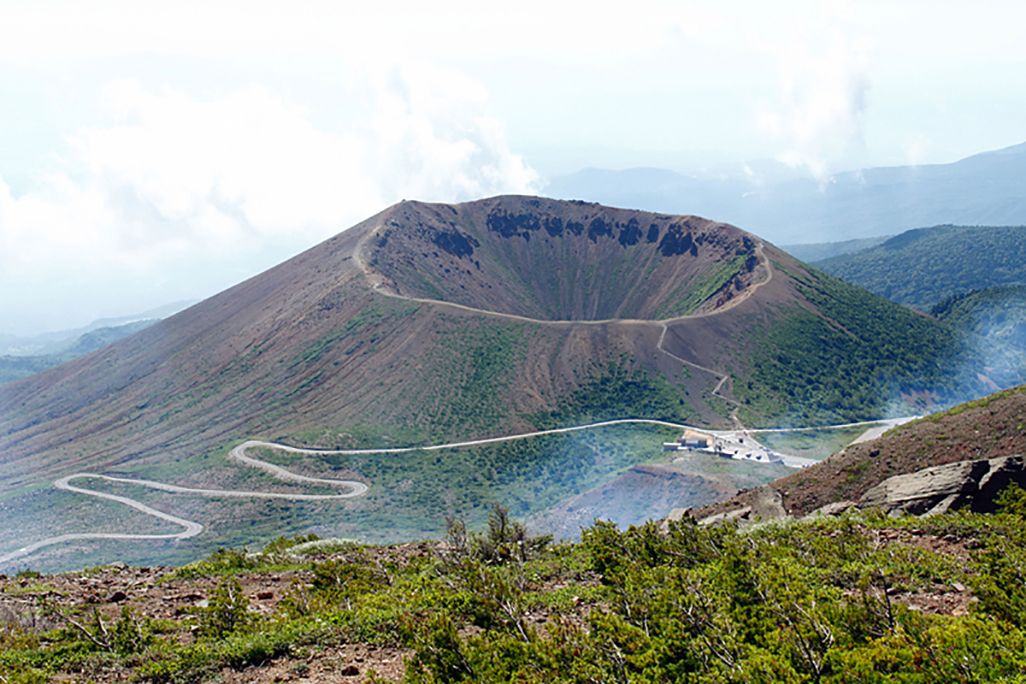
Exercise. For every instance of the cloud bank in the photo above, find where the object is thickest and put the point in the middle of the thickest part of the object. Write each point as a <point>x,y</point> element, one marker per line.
<point>175,196</point>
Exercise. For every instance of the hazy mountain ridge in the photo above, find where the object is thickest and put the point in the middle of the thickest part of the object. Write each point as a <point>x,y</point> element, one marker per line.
<point>17,367</point>
<point>812,252</point>
<point>984,189</point>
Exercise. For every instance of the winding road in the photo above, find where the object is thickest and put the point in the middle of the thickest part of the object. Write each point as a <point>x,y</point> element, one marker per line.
<point>190,528</point>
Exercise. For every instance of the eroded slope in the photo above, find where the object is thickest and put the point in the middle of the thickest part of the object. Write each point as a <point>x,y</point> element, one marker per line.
<point>553,260</point>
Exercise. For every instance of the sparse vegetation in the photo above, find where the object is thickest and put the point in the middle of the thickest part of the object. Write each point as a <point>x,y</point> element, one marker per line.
<point>859,598</point>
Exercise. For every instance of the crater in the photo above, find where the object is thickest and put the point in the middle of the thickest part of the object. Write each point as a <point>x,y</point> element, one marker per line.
<point>560,260</point>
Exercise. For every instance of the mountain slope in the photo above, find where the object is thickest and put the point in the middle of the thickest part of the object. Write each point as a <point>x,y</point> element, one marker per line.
<point>431,324</point>
<point>921,267</point>
<point>988,428</point>
<point>998,313</point>
<point>313,344</point>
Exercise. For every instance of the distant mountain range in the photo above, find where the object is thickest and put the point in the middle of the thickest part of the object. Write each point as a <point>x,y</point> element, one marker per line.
<point>16,367</point>
<point>59,341</point>
<point>811,252</point>
<point>985,189</point>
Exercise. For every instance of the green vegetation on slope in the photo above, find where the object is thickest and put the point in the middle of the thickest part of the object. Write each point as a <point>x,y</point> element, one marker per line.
<point>469,373</point>
<point>855,599</point>
<point>997,316</point>
<point>614,392</point>
<point>687,299</point>
<point>862,357</point>
<point>924,266</point>
<point>998,313</point>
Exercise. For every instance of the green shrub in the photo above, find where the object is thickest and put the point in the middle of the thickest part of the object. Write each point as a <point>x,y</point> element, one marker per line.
<point>226,612</point>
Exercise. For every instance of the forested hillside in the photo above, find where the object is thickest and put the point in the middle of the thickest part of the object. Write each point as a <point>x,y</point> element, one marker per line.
<point>997,312</point>
<point>924,266</point>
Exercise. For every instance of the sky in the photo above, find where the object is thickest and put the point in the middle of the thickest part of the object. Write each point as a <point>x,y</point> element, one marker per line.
<point>153,152</point>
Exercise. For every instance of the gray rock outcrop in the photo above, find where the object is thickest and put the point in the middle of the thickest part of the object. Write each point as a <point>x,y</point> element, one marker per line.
<point>965,484</point>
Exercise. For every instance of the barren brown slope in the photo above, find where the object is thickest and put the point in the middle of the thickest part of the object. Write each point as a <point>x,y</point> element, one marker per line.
<point>350,343</point>
<point>987,428</point>
<point>553,260</point>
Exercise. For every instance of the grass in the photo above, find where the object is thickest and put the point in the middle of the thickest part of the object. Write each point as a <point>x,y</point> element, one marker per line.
<point>817,444</point>
<point>687,299</point>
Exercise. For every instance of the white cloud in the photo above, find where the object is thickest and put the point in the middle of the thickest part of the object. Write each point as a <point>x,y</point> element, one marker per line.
<point>818,114</point>
<point>171,180</point>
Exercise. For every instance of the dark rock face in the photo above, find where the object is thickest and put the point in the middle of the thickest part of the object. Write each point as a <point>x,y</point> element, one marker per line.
<point>677,241</point>
<point>457,243</point>
<point>598,228</point>
<point>508,225</point>
<point>554,226</point>
<point>630,234</point>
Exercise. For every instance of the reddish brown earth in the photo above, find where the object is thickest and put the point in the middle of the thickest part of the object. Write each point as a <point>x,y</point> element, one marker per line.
<point>158,593</point>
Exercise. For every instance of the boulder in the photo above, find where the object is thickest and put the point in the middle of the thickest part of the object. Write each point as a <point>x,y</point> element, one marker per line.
<point>965,484</point>
<point>765,504</point>
<point>832,509</point>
